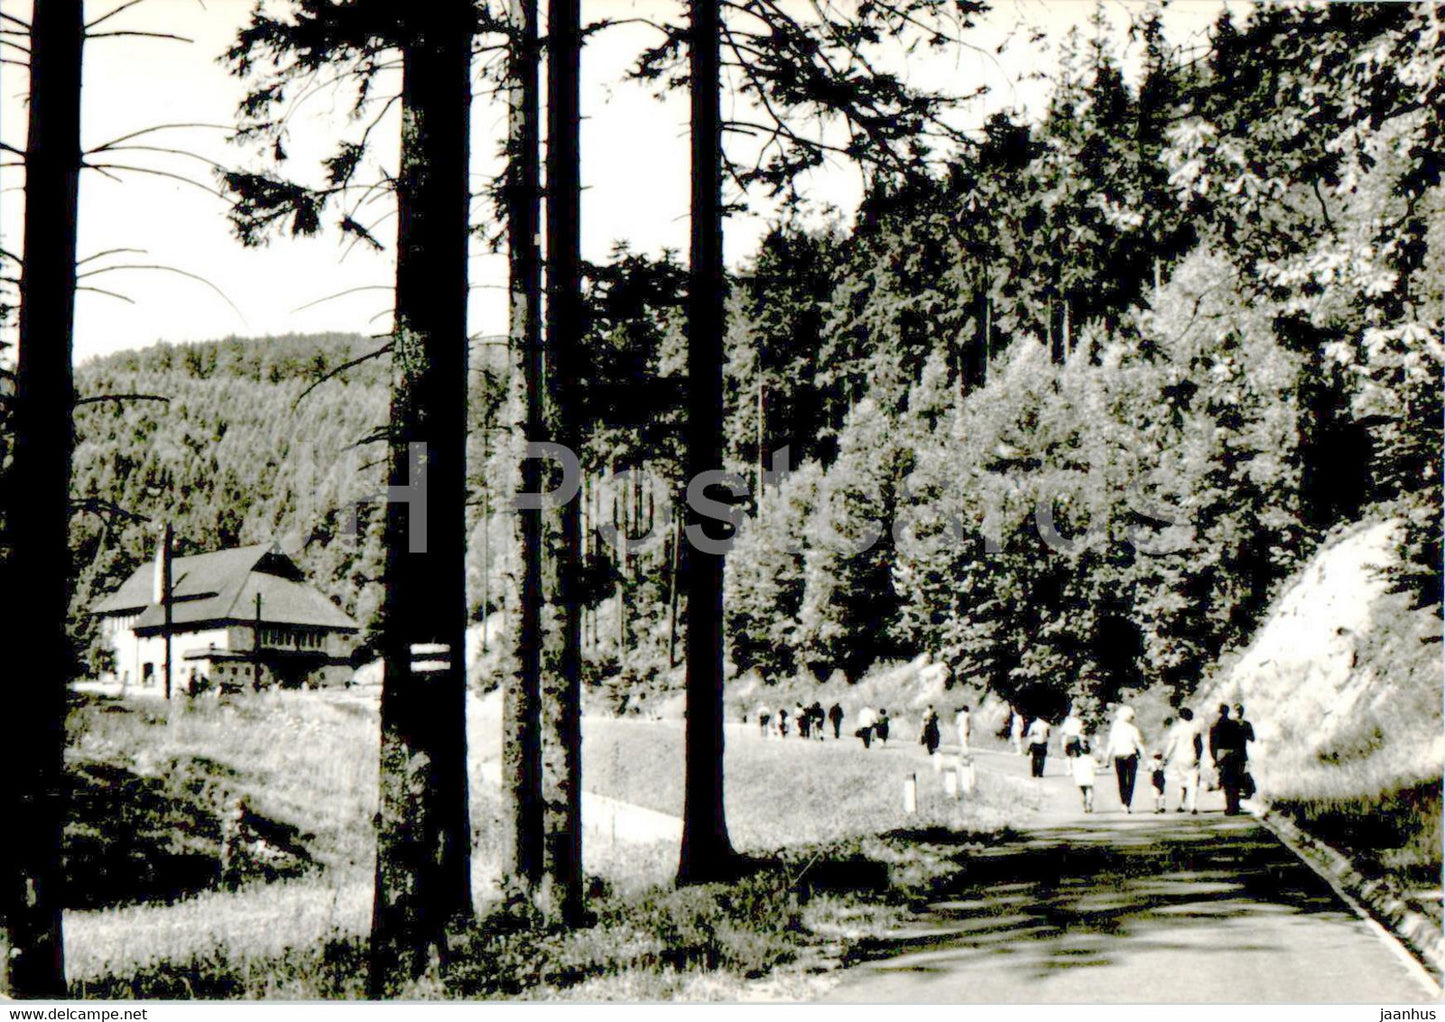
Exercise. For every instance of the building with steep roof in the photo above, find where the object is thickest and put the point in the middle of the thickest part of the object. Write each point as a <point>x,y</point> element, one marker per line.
<point>240,618</point>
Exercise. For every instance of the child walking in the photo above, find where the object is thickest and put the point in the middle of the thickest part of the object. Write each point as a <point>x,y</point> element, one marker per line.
<point>1156,778</point>
<point>1084,766</point>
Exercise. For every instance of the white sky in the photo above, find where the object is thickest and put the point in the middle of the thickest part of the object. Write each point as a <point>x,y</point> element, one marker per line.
<point>634,167</point>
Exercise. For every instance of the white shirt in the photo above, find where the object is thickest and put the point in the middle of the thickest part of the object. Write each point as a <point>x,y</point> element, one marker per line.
<point>1038,732</point>
<point>866,717</point>
<point>961,721</point>
<point>1179,746</point>
<point>1125,740</point>
<point>1084,767</point>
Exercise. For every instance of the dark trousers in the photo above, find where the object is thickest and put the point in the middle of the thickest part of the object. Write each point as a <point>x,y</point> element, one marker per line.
<point>1126,768</point>
<point>1231,778</point>
<point>1038,752</point>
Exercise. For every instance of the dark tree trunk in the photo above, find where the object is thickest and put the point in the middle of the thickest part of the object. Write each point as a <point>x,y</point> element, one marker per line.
<point>562,668</point>
<point>522,724</point>
<point>423,861</point>
<point>37,516</point>
<point>707,852</point>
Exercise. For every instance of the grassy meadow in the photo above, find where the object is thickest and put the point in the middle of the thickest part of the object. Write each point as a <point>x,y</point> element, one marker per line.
<point>154,910</point>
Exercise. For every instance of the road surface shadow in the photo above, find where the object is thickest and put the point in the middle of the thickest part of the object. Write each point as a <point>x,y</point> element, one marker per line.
<point>1061,897</point>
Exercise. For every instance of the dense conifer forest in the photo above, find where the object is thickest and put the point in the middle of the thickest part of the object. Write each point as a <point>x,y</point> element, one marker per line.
<point>1063,415</point>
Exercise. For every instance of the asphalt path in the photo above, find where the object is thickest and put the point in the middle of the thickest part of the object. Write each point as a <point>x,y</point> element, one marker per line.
<point>1113,907</point>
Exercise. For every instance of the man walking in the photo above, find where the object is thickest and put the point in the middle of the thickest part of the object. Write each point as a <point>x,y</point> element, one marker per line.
<point>1183,749</point>
<point>1226,747</point>
<point>1038,743</point>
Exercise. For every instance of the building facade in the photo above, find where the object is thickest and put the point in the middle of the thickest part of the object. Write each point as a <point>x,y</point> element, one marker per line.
<point>239,619</point>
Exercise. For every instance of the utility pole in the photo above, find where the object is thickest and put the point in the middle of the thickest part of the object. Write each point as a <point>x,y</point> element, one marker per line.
<point>167,538</point>
<point>256,648</point>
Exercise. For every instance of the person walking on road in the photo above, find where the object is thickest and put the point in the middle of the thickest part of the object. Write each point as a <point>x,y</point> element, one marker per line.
<point>835,716</point>
<point>1246,779</point>
<point>881,728</point>
<point>1083,766</point>
<point>1016,732</point>
<point>1038,743</point>
<point>867,724</point>
<point>1125,748</point>
<point>962,721</point>
<point>1071,734</point>
<point>1227,748</point>
<point>931,737</point>
<point>1157,780</point>
<point>820,720</point>
<point>1183,751</point>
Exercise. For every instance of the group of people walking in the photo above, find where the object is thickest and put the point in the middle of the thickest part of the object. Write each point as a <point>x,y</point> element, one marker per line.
<point>804,721</point>
<point>871,725</point>
<point>931,737</point>
<point>1179,758</point>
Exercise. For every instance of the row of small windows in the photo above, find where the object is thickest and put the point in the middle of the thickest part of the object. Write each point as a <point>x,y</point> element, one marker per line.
<point>299,638</point>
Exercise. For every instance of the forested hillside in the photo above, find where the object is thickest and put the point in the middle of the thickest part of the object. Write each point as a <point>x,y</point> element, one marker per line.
<point>1064,415</point>
<point>265,441</point>
<point>255,464</point>
<point>1101,386</point>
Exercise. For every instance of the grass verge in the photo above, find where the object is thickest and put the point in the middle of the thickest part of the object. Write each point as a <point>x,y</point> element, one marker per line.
<point>818,879</point>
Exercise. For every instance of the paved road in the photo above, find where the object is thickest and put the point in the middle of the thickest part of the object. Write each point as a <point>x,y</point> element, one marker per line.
<point>1128,908</point>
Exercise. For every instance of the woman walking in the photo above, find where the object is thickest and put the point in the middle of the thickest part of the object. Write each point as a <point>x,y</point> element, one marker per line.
<point>1126,747</point>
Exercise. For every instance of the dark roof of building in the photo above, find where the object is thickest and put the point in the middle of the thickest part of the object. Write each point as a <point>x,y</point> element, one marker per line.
<point>223,586</point>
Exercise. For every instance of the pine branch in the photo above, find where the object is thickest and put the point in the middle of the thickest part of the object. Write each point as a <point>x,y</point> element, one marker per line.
<point>172,37</point>
<point>116,398</point>
<point>331,374</point>
<point>155,173</point>
<point>343,294</point>
<point>363,232</point>
<point>159,127</point>
<point>109,294</point>
<point>111,251</point>
<point>105,510</point>
<point>112,13</point>
<point>167,269</point>
<point>164,149</point>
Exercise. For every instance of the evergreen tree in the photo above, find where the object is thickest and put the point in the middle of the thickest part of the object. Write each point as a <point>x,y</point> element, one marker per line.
<point>522,727</point>
<point>423,875</point>
<point>36,511</point>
